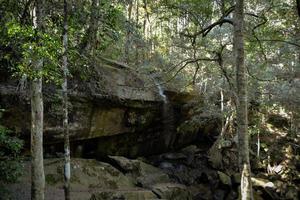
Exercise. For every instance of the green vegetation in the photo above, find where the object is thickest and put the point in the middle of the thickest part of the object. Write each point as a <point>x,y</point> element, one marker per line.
<point>240,58</point>
<point>10,158</point>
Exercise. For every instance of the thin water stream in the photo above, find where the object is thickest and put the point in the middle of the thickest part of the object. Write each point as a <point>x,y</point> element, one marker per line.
<point>168,119</point>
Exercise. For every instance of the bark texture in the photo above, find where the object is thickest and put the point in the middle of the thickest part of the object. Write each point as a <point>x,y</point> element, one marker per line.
<point>37,110</point>
<point>67,167</point>
<point>242,104</point>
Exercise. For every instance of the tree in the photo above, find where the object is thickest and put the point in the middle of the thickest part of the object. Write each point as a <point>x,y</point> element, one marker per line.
<point>242,105</point>
<point>91,34</point>
<point>128,32</point>
<point>37,109</point>
<point>67,168</point>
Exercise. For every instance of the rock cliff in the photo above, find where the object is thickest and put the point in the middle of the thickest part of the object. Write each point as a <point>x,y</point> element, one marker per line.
<point>116,111</point>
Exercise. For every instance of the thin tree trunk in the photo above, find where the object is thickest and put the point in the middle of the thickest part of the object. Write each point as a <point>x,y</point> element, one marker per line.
<point>37,163</point>
<point>67,168</point>
<point>222,111</point>
<point>137,27</point>
<point>128,33</point>
<point>242,104</point>
<point>295,118</point>
<point>37,109</point>
<point>145,27</point>
<point>145,18</point>
<point>129,10</point>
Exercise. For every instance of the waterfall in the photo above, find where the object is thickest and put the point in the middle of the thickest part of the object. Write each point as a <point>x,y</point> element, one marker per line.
<point>161,93</point>
<point>168,119</point>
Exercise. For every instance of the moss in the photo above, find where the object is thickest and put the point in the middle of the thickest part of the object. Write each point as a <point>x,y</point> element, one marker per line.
<point>112,184</point>
<point>75,178</point>
<point>52,179</point>
<point>112,171</point>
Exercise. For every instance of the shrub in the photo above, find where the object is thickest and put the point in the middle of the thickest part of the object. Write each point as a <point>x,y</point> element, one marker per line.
<point>10,159</point>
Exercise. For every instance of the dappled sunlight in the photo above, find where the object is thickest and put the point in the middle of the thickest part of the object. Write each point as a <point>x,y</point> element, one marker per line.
<point>276,132</point>
<point>279,158</point>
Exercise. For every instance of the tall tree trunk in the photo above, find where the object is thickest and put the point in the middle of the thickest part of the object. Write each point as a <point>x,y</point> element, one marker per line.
<point>298,36</point>
<point>145,27</point>
<point>128,33</point>
<point>67,168</point>
<point>37,163</point>
<point>242,104</point>
<point>222,111</point>
<point>145,18</point>
<point>296,115</point>
<point>137,27</point>
<point>90,39</point>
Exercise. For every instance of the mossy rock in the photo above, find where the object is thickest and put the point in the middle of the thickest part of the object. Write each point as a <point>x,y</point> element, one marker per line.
<point>53,179</point>
<point>224,178</point>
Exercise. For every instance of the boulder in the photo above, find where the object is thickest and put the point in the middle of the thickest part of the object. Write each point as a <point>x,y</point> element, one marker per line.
<point>125,164</point>
<point>191,149</point>
<point>87,177</point>
<point>219,194</point>
<point>201,192</point>
<point>144,174</point>
<point>261,182</point>
<point>137,194</point>
<point>292,193</point>
<point>174,156</point>
<point>225,179</point>
<point>172,191</point>
<point>86,173</point>
<point>236,178</point>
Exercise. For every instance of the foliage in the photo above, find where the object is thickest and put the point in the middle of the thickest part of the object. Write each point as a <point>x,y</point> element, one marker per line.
<point>29,41</point>
<point>161,38</point>
<point>162,41</point>
<point>10,159</point>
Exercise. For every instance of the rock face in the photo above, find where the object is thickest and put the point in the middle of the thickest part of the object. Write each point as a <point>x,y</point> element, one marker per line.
<point>115,112</point>
<point>113,102</point>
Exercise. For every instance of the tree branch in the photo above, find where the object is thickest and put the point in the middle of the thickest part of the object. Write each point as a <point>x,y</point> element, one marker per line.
<point>187,62</point>
<point>277,40</point>
<point>264,21</point>
<point>256,78</point>
<point>206,30</point>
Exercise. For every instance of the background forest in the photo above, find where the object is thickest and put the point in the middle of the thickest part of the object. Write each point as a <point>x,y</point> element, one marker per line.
<point>183,46</point>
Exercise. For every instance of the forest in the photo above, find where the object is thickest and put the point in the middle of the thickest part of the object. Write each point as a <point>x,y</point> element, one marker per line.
<point>149,99</point>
